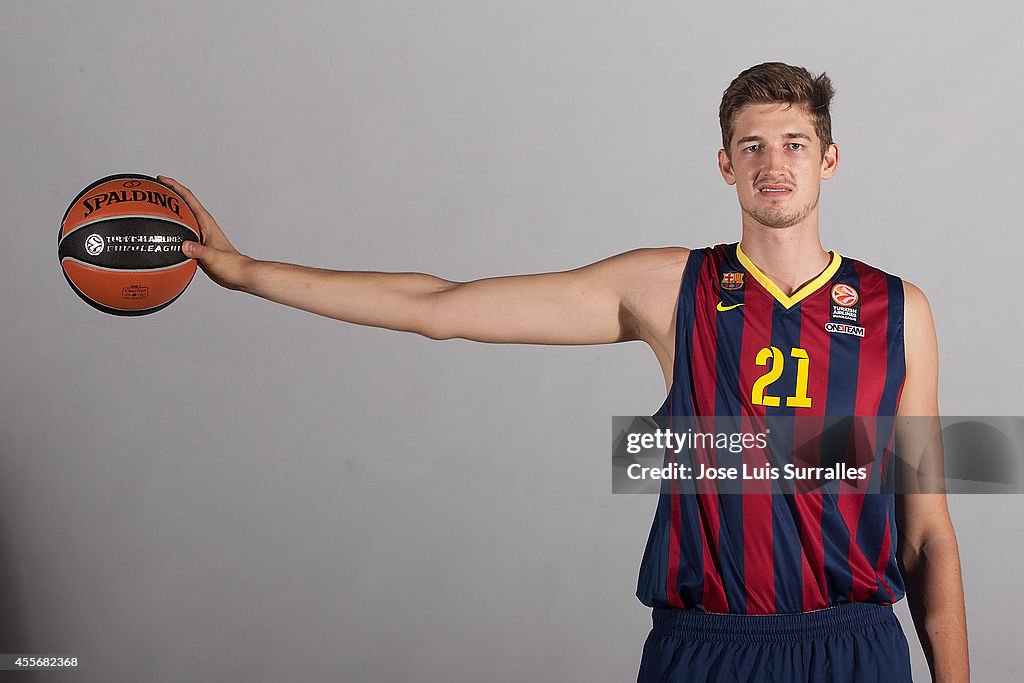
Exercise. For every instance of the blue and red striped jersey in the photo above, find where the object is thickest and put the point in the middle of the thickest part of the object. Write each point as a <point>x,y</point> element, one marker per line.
<point>831,350</point>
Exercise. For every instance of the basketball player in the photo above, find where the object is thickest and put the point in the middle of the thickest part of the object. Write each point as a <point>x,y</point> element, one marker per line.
<point>743,588</point>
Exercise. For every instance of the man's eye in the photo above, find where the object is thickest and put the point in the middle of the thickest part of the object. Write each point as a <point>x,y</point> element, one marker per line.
<point>752,148</point>
<point>795,146</point>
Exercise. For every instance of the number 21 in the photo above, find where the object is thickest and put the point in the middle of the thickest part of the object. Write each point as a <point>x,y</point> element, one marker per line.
<point>772,356</point>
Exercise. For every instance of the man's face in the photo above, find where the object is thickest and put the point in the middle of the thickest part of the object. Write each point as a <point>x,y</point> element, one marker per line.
<point>775,162</point>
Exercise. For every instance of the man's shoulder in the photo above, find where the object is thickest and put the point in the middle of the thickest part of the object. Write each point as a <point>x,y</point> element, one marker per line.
<point>914,299</point>
<point>649,289</point>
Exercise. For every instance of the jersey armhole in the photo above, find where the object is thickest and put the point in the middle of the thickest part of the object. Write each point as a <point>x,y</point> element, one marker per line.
<point>665,409</point>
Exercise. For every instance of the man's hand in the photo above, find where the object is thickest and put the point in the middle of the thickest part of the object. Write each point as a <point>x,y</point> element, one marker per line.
<point>216,255</point>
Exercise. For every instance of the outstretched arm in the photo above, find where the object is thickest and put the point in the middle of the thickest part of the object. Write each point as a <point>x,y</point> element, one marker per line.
<point>604,302</point>
<point>928,553</point>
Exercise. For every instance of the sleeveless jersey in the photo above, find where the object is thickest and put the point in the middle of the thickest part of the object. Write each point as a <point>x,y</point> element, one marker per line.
<point>831,350</point>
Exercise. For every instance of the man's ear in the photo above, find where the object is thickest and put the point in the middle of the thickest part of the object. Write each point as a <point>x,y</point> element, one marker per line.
<point>830,162</point>
<point>725,167</point>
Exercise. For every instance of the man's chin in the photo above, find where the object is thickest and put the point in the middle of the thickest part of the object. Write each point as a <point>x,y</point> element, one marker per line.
<point>775,220</point>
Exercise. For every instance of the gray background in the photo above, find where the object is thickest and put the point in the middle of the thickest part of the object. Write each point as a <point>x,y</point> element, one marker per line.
<point>231,490</point>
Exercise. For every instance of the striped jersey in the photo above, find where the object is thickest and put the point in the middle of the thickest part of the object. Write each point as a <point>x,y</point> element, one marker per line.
<point>831,350</point>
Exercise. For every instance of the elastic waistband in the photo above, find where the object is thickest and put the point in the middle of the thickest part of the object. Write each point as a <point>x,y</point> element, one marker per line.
<point>699,625</point>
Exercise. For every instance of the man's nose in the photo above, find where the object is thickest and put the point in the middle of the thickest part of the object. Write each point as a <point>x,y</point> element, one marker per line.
<point>775,161</point>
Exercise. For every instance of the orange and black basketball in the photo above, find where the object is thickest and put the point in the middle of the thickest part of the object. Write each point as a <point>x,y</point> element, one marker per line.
<point>119,244</point>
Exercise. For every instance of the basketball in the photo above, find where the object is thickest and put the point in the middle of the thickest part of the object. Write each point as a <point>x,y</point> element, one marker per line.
<point>119,244</point>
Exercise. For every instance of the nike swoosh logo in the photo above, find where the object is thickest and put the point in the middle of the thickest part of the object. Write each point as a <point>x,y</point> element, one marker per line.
<point>727,308</point>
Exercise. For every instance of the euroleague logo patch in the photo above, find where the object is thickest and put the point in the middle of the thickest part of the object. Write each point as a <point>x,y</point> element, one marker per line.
<point>845,295</point>
<point>94,244</point>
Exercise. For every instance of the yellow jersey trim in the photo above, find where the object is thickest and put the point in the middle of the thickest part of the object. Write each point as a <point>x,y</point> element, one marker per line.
<point>799,295</point>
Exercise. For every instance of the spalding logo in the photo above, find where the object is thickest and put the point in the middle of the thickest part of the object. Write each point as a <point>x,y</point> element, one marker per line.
<point>845,295</point>
<point>94,245</point>
<point>132,183</point>
<point>98,201</point>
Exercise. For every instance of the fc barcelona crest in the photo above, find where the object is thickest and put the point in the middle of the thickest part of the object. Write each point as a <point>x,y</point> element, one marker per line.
<point>732,281</point>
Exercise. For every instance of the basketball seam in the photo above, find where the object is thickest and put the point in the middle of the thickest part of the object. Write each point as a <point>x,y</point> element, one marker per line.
<point>124,270</point>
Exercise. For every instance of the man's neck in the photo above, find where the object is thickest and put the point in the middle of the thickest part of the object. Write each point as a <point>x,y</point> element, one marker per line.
<point>790,257</point>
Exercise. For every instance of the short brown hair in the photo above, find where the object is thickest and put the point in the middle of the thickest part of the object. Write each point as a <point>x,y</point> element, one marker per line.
<point>777,82</point>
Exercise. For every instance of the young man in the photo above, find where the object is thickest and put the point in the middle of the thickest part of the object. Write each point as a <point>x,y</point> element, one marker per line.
<point>744,588</point>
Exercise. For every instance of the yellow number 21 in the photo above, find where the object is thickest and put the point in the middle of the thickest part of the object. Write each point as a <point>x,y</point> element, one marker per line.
<point>773,357</point>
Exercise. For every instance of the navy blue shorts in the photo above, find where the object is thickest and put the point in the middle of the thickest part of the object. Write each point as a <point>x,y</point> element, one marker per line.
<point>850,643</point>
